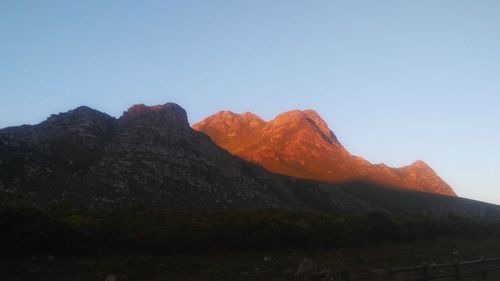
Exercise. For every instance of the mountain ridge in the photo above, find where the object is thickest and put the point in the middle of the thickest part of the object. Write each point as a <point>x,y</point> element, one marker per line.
<point>299,143</point>
<point>84,158</point>
<point>149,156</point>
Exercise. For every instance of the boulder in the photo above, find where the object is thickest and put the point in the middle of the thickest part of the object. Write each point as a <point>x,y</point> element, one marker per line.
<point>111,277</point>
<point>305,267</point>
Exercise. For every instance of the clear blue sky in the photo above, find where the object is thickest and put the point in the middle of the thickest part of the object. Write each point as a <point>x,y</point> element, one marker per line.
<point>396,80</point>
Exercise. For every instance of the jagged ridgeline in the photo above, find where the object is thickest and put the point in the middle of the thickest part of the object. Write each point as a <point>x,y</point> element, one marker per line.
<point>300,144</point>
<point>151,157</point>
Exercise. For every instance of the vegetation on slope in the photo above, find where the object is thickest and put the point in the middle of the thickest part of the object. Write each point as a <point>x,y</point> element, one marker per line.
<point>62,231</point>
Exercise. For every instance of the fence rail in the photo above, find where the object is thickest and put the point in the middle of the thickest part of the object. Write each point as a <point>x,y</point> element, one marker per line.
<point>456,270</point>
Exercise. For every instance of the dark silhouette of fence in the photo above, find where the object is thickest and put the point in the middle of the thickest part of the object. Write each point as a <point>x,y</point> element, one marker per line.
<point>447,271</point>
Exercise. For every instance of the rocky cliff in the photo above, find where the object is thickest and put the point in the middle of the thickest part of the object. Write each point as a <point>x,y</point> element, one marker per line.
<point>300,144</point>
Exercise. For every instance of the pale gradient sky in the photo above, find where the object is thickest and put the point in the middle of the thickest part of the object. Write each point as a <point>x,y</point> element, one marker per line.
<point>396,80</point>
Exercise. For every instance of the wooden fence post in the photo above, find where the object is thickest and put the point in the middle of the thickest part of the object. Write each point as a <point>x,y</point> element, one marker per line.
<point>484,272</point>
<point>458,276</point>
<point>425,270</point>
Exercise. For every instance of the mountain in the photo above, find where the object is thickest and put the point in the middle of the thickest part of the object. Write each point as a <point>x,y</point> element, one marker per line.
<point>300,144</point>
<point>150,156</point>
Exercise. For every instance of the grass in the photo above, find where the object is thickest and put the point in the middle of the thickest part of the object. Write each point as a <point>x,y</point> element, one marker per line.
<point>219,265</point>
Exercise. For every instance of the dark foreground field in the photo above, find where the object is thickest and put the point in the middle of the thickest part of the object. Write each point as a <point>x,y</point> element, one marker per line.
<point>367,263</point>
<point>154,244</point>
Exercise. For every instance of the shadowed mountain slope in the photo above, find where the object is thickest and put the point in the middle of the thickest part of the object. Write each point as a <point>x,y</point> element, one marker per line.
<point>151,157</point>
<point>300,144</point>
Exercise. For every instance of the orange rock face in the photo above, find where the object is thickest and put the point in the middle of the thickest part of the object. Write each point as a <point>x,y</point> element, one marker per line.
<point>300,144</point>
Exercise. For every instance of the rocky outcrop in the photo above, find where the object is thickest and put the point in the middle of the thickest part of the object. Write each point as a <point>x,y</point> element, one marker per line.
<point>169,113</point>
<point>300,144</point>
